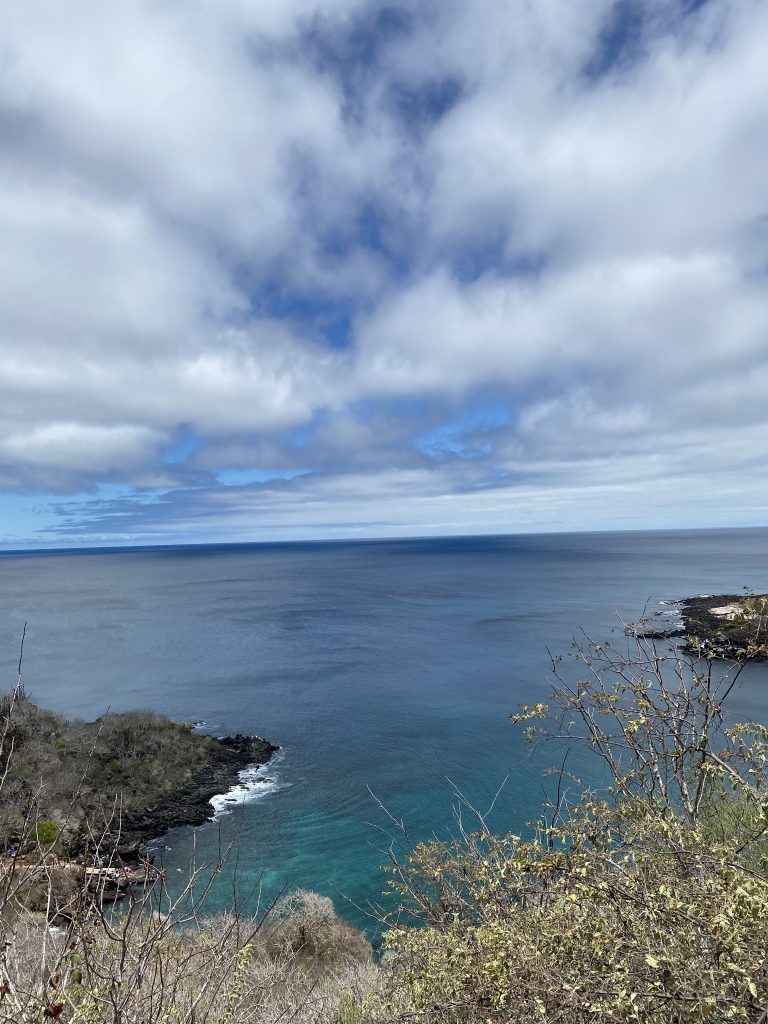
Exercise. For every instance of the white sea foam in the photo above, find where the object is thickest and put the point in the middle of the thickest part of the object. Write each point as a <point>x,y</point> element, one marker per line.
<point>671,610</point>
<point>253,783</point>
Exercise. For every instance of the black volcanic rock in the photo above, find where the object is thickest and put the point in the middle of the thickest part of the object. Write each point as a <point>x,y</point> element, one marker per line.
<point>125,778</point>
<point>720,636</point>
<point>191,805</point>
<point>709,634</point>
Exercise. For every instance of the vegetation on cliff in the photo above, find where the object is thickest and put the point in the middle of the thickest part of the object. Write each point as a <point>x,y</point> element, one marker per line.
<point>131,775</point>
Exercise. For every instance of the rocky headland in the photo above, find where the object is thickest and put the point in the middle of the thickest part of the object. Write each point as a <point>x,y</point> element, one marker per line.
<point>191,803</point>
<point>733,627</point>
<point>114,783</point>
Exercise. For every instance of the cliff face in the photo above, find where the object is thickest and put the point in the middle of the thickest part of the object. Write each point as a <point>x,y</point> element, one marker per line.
<point>132,775</point>
<point>190,804</point>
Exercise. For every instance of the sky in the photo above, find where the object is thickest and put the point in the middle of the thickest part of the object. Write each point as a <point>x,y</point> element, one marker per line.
<point>293,269</point>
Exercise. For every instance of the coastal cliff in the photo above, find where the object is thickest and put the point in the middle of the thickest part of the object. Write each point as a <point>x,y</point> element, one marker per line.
<point>122,779</point>
<point>191,803</point>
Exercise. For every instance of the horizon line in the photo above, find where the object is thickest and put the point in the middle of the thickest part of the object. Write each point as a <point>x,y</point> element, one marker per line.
<point>113,547</point>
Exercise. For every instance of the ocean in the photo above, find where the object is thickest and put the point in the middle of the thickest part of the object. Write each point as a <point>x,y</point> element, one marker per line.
<point>386,670</point>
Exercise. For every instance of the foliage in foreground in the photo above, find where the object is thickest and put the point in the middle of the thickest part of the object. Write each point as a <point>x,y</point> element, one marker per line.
<point>299,963</point>
<point>650,905</point>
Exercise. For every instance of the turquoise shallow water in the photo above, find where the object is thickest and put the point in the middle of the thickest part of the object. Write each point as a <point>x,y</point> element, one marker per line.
<point>382,665</point>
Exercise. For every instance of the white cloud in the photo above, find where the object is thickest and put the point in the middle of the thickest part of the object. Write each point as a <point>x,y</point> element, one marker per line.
<point>50,454</point>
<point>191,194</point>
<point>661,321</point>
<point>664,156</point>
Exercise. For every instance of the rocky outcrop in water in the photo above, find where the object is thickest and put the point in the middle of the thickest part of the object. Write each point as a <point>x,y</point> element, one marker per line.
<point>733,627</point>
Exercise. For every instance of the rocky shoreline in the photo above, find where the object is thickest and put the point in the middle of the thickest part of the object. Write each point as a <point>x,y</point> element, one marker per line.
<point>710,627</point>
<point>190,805</point>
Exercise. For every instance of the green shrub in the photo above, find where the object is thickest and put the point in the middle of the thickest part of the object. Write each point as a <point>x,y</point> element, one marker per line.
<point>47,832</point>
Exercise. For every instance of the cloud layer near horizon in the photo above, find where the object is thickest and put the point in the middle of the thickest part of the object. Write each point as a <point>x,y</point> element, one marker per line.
<point>298,269</point>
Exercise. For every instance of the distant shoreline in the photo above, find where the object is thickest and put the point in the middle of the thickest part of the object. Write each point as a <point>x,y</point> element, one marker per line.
<point>716,625</point>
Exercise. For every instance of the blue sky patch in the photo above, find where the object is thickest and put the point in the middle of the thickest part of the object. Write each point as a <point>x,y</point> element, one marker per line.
<point>421,106</point>
<point>243,477</point>
<point>185,443</point>
<point>463,437</point>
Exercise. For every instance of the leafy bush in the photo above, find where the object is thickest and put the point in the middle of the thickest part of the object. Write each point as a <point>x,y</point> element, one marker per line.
<point>304,925</point>
<point>648,904</point>
<point>47,832</point>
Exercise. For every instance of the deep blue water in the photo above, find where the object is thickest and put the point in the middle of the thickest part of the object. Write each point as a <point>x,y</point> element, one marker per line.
<point>390,665</point>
